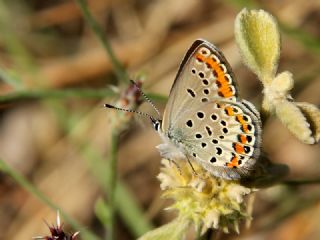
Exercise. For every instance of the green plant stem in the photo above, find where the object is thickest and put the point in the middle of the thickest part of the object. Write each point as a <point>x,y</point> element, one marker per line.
<point>302,182</point>
<point>11,39</point>
<point>112,183</point>
<point>50,93</point>
<point>11,78</point>
<point>24,183</point>
<point>129,210</point>
<point>67,93</point>
<point>95,27</point>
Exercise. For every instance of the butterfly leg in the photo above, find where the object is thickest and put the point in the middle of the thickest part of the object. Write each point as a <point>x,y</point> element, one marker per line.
<point>193,170</point>
<point>176,164</point>
<point>167,151</point>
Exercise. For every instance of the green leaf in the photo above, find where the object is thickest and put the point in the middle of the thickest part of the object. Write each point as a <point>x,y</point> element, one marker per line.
<point>102,211</point>
<point>11,78</point>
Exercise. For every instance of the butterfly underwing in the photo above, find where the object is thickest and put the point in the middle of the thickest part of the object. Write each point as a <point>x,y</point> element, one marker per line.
<point>206,121</point>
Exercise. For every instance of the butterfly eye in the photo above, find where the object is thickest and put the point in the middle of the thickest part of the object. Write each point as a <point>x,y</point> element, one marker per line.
<point>156,125</point>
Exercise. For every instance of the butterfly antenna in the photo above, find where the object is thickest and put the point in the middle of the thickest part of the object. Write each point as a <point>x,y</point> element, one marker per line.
<point>129,110</point>
<point>146,97</point>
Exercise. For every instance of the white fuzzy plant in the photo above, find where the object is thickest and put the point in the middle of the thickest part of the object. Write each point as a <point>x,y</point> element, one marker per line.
<point>258,39</point>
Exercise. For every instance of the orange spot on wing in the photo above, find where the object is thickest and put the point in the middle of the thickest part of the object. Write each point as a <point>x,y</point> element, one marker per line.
<point>226,92</point>
<point>211,63</point>
<point>200,57</point>
<point>224,86</point>
<point>229,111</point>
<point>234,162</point>
<point>243,138</point>
<point>243,123</point>
<point>239,148</point>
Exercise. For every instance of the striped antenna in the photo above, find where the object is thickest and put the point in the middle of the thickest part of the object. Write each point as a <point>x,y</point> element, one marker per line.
<point>129,110</point>
<point>146,97</point>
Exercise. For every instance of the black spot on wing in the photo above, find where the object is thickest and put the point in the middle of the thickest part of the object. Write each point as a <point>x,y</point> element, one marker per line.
<point>191,92</point>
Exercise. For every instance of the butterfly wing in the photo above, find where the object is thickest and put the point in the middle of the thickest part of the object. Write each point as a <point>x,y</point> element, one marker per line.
<point>204,75</point>
<point>205,116</point>
<point>224,137</point>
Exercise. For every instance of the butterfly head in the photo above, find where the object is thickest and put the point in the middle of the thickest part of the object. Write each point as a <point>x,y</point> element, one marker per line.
<point>156,124</point>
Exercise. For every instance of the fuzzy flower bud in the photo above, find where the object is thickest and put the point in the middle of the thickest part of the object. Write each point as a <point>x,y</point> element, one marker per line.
<point>201,199</point>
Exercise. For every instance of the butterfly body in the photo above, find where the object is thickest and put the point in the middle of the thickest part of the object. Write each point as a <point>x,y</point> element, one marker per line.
<point>205,120</point>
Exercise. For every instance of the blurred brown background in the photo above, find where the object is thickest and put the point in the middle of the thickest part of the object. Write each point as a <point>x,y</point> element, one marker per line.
<point>53,142</point>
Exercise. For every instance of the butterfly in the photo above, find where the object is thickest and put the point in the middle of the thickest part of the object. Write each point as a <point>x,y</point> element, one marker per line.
<point>205,120</point>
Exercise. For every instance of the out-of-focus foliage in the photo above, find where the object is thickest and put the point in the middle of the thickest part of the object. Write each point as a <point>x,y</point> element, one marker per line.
<point>53,131</point>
